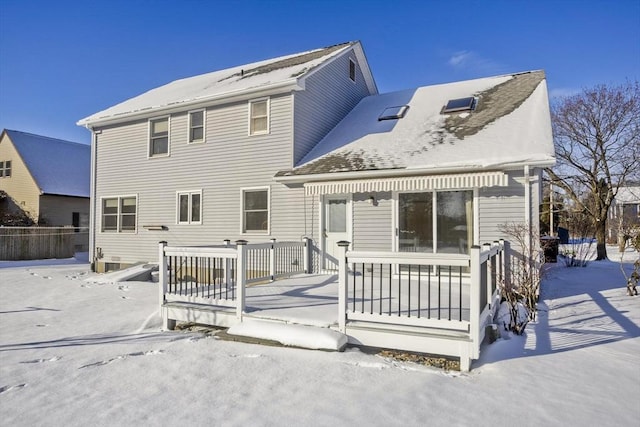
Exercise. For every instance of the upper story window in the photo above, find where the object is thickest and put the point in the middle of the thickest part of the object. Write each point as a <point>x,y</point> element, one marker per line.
<point>5,169</point>
<point>259,116</point>
<point>190,207</point>
<point>196,126</point>
<point>159,137</point>
<point>352,70</point>
<point>255,210</point>
<point>119,214</point>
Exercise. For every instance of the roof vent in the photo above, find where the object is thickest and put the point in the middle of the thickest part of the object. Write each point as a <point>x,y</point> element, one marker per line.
<point>391,113</point>
<point>461,104</point>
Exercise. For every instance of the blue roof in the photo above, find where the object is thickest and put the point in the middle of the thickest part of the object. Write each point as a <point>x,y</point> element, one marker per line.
<point>59,167</point>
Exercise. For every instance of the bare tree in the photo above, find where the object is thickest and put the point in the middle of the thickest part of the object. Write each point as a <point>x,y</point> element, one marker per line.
<point>597,139</point>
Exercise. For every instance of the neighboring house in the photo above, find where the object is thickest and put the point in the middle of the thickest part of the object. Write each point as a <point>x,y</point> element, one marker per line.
<point>624,212</point>
<point>304,146</point>
<point>46,178</point>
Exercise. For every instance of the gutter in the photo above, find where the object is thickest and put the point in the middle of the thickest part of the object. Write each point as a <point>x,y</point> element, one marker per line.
<point>223,98</point>
<point>389,173</point>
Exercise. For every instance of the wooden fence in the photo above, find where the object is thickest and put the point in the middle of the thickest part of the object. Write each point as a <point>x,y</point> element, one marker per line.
<point>26,243</point>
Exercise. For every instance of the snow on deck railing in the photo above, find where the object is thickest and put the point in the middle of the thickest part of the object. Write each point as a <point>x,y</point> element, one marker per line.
<point>218,275</point>
<point>452,292</point>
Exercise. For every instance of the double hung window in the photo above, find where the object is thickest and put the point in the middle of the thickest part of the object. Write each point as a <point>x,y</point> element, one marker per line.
<point>255,211</point>
<point>159,137</point>
<point>259,117</point>
<point>119,214</point>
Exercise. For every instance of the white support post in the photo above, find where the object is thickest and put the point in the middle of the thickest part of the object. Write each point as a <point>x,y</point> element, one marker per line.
<point>506,259</point>
<point>474,302</point>
<point>227,265</point>
<point>162,273</point>
<point>501,277</point>
<point>343,277</point>
<point>487,247</point>
<point>306,254</point>
<point>272,260</point>
<point>241,277</point>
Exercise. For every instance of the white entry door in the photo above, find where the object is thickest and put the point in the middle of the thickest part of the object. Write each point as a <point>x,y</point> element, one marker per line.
<point>336,227</point>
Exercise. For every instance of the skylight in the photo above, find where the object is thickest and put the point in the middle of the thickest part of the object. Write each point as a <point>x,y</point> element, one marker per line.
<point>460,104</point>
<point>391,113</point>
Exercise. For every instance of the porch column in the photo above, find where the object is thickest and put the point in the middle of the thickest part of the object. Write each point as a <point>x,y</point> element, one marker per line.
<point>343,277</point>
<point>162,273</point>
<point>241,268</point>
<point>474,302</point>
<point>307,252</point>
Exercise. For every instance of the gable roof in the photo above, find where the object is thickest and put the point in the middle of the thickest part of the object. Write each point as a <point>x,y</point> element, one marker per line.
<point>283,72</point>
<point>510,126</point>
<point>59,167</point>
<point>629,194</point>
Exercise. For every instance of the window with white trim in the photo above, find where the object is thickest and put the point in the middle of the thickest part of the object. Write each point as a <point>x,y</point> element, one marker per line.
<point>255,210</point>
<point>159,137</point>
<point>119,214</point>
<point>189,207</point>
<point>440,221</point>
<point>196,126</point>
<point>352,70</point>
<point>259,116</point>
<point>5,169</point>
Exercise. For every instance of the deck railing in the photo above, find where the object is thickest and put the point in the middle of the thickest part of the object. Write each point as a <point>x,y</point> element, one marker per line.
<point>218,275</point>
<point>453,292</point>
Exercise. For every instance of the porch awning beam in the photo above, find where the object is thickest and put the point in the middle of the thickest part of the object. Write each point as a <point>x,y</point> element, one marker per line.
<point>410,183</point>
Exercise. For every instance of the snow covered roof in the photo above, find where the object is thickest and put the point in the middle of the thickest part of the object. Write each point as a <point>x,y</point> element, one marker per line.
<point>59,167</point>
<point>628,195</point>
<point>509,126</point>
<point>248,78</point>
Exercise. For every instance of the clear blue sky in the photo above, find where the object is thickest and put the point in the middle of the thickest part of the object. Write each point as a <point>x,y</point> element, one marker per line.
<point>62,60</point>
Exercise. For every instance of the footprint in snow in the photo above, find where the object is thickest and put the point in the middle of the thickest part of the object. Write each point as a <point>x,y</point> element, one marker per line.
<point>123,297</point>
<point>53,359</point>
<point>246,356</point>
<point>11,387</point>
<point>34,274</point>
<point>123,288</point>
<point>42,326</point>
<point>123,357</point>
<point>85,286</point>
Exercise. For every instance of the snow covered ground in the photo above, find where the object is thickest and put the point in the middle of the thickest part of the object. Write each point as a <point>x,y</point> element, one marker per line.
<point>77,352</point>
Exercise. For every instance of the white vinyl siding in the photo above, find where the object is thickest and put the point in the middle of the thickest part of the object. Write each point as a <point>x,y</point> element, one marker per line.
<point>328,97</point>
<point>229,161</point>
<point>189,207</point>
<point>197,120</point>
<point>159,137</point>
<point>259,116</point>
<point>119,214</point>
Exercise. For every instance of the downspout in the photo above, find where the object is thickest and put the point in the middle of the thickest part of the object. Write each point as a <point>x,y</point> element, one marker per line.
<point>92,194</point>
<point>527,209</point>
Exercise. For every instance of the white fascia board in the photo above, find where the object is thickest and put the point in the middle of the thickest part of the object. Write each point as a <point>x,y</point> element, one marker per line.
<point>223,98</point>
<point>388,173</point>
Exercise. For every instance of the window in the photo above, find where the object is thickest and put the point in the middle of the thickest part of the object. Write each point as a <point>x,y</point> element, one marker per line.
<point>461,104</point>
<point>259,117</point>
<point>352,70</point>
<point>5,169</point>
<point>159,137</point>
<point>190,207</point>
<point>119,214</point>
<point>446,229</point>
<point>196,126</point>
<point>391,113</point>
<point>255,211</point>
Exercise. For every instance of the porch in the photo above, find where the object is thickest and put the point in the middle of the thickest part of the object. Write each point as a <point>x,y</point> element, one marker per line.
<point>429,303</point>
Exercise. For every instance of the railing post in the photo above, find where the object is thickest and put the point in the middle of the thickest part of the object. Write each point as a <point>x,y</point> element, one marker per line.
<point>506,263</point>
<point>162,273</point>
<point>272,260</point>
<point>227,265</point>
<point>474,302</point>
<point>241,277</point>
<point>487,247</point>
<point>343,277</point>
<point>305,256</point>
